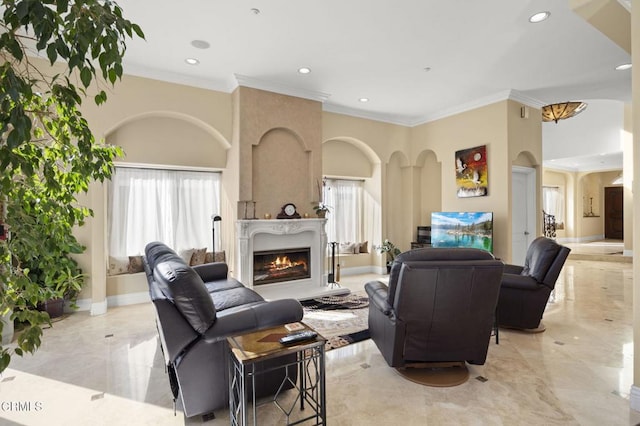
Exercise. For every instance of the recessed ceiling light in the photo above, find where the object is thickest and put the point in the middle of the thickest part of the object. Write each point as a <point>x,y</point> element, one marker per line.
<point>539,17</point>
<point>623,67</point>
<point>200,44</point>
<point>192,61</point>
<point>255,11</point>
<point>364,99</point>
<point>304,70</point>
<point>427,69</point>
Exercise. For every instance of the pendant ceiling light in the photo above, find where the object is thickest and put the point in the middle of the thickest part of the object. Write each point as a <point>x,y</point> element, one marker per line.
<point>561,111</point>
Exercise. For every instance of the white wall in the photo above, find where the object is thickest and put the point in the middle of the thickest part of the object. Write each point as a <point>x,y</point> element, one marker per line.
<point>594,131</point>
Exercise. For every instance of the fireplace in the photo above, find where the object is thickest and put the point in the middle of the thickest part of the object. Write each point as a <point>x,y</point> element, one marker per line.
<point>260,239</point>
<point>274,266</point>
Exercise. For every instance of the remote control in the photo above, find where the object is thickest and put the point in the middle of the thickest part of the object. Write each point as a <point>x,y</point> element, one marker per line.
<point>298,336</point>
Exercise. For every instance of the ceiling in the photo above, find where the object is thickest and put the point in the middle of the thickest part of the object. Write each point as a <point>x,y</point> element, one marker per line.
<point>415,60</point>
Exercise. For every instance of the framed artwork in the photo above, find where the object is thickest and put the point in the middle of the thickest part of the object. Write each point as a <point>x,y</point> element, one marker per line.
<point>472,177</point>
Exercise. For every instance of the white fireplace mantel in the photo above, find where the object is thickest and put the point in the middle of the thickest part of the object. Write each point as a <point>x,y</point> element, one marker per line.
<point>258,235</point>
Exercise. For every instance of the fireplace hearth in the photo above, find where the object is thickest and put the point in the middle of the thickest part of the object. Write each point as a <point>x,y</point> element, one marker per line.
<point>273,266</point>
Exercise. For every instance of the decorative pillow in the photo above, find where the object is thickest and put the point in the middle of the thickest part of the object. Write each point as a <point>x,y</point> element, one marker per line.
<point>198,256</point>
<point>135,264</point>
<point>118,265</point>
<point>186,255</point>
<point>220,256</point>
<point>208,257</point>
<point>348,248</point>
<point>364,247</point>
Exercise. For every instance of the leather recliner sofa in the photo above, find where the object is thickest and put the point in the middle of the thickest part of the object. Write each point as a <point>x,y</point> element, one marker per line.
<point>439,306</point>
<point>197,308</point>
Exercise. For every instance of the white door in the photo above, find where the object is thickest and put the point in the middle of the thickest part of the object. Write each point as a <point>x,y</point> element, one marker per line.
<point>523,209</point>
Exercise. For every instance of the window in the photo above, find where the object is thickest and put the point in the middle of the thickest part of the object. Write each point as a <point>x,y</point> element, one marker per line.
<point>172,206</point>
<point>553,203</point>
<point>344,197</point>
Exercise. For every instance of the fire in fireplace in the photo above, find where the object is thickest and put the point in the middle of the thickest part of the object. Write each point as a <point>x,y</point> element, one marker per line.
<point>274,266</point>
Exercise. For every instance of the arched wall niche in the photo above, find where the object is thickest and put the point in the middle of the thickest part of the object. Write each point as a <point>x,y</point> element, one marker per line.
<point>525,159</point>
<point>167,138</point>
<point>348,157</point>
<point>429,191</point>
<point>281,172</point>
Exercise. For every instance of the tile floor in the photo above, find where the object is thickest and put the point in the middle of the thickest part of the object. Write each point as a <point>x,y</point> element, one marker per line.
<point>107,370</point>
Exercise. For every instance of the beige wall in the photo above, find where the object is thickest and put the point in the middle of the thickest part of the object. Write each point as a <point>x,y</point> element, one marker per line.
<point>280,150</point>
<point>408,172</point>
<point>506,135</point>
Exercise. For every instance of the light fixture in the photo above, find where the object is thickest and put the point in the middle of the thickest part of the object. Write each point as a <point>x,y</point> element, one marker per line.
<point>623,67</point>
<point>539,17</point>
<point>561,111</point>
<point>200,44</point>
<point>304,70</point>
<point>364,100</point>
<point>192,61</point>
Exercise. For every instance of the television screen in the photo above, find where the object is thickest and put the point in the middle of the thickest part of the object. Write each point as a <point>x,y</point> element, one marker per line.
<point>462,229</point>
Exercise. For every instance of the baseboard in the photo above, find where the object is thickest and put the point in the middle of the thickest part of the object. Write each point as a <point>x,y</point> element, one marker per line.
<point>634,398</point>
<point>99,308</point>
<point>111,301</point>
<point>128,299</point>
<point>579,240</point>
<point>358,270</point>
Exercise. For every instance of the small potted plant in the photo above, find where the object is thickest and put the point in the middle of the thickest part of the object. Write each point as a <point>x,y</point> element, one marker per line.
<point>321,209</point>
<point>391,250</point>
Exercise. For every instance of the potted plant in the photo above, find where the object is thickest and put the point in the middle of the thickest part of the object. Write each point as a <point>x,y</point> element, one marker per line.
<point>391,250</point>
<point>321,209</point>
<point>47,150</point>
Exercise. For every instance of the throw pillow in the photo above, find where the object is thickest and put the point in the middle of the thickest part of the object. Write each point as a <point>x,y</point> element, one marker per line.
<point>135,264</point>
<point>208,257</point>
<point>198,256</point>
<point>220,256</point>
<point>186,255</point>
<point>347,248</point>
<point>364,247</point>
<point>118,265</point>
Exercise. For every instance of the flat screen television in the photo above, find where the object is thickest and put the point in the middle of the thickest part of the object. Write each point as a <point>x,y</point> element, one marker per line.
<point>462,229</point>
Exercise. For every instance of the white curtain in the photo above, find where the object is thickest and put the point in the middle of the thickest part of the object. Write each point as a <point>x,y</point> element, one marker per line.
<point>171,206</point>
<point>344,198</point>
<point>553,203</point>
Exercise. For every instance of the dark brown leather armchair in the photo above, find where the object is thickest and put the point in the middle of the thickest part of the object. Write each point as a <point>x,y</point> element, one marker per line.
<point>439,306</point>
<point>525,289</point>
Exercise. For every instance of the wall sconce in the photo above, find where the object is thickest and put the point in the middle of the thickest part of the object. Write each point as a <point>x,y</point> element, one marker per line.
<point>561,111</point>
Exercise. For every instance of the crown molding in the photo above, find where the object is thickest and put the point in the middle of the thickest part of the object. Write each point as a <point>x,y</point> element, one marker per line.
<point>177,78</point>
<point>481,102</point>
<point>269,86</point>
<point>358,113</point>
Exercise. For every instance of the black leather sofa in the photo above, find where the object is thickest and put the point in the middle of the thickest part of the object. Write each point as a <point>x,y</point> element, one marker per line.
<point>196,309</point>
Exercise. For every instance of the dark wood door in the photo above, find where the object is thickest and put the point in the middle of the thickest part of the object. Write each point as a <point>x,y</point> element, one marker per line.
<point>613,213</point>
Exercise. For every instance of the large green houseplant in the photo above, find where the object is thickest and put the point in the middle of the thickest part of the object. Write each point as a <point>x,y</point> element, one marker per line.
<point>48,155</point>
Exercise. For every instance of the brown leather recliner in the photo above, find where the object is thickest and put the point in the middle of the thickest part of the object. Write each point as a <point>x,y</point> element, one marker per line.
<point>439,306</point>
<point>525,289</point>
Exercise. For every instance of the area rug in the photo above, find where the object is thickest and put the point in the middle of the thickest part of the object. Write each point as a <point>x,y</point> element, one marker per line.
<point>342,320</point>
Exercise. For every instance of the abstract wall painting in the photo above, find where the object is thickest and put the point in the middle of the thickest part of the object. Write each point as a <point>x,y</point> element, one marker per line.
<point>472,178</point>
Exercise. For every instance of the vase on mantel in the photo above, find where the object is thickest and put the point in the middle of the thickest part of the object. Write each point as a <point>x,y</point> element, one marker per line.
<point>322,214</point>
